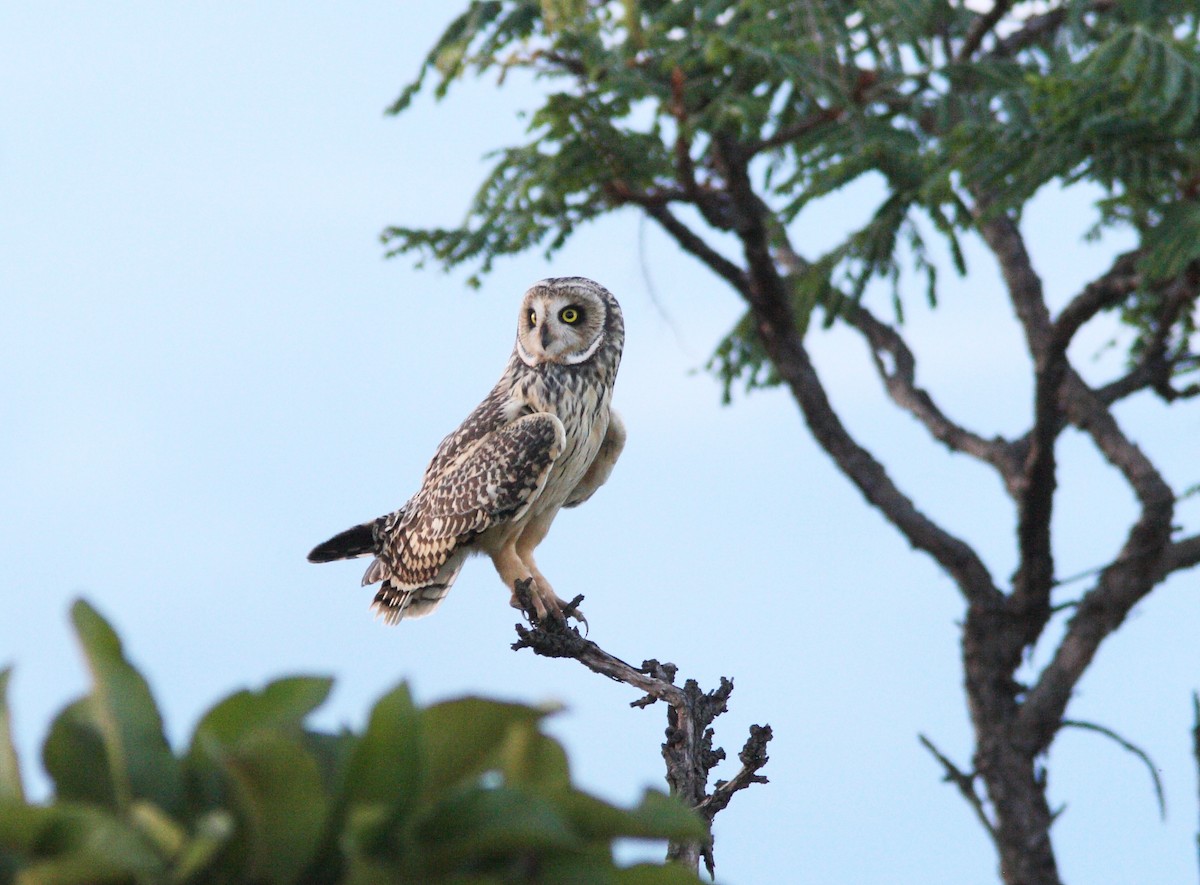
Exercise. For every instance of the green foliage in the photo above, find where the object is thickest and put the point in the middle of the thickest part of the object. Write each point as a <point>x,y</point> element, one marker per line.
<point>466,791</point>
<point>643,99</point>
<point>11,787</point>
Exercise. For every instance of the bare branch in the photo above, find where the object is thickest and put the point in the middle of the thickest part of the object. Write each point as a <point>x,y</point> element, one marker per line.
<point>1182,554</point>
<point>1119,281</point>
<point>688,749</point>
<point>1035,490</point>
<point>1138,378</point>
<point>1040,27</point>
<point>1196,746</point>
<point>798,129</point>
<point>691,241</point>
<point>1004,238</point>
<point>753,757</point>
<point>965,783</point>
<point>1132,748</point>
<point>900,380</point>
<point>980,28</point>
<point>1155,366</point>
<point>1037,28</point>
<point>769,300</point>
<point>1125,581</point>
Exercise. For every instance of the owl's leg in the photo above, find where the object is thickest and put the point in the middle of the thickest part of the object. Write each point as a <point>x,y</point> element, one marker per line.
<point>512,569</point>
<point>529,539</point>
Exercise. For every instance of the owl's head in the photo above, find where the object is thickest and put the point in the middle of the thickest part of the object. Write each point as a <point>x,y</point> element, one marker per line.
<point>567,320</point>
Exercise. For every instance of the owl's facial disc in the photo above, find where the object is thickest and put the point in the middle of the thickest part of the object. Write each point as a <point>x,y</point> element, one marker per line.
<point>559,324</point>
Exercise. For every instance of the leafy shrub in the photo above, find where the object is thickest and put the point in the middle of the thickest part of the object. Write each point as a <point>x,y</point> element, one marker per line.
<point>466,791</point>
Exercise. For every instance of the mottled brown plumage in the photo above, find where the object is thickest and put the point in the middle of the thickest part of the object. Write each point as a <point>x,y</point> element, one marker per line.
<point>544,438</point>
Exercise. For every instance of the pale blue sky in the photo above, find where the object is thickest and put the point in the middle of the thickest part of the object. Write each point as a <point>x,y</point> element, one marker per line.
<point>208,367</point>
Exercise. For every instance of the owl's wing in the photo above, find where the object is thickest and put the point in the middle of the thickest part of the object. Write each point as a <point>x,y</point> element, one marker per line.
<point>494,481</point>
<point>602,465</point>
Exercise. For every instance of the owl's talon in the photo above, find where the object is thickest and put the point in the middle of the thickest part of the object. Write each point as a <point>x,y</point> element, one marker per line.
<point>571,610</point>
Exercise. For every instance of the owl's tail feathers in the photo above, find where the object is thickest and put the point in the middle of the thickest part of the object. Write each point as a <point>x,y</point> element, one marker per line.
<point>395,603</point>
<point>358,541</point>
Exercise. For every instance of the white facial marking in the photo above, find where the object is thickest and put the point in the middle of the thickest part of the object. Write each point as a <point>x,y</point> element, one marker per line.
<point>575,359</point>
<point>526,357</point>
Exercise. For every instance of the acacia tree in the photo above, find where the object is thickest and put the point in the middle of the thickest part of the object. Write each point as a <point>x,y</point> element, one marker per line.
<point>716,118</point>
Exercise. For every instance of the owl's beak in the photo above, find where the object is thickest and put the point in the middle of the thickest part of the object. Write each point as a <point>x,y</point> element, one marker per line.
<point>545,336</point>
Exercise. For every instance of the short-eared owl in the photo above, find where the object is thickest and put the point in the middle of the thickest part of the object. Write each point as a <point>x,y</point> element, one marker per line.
<point>544,438</point>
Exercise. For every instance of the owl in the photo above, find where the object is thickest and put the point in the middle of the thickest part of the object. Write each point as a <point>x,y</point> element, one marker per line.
<point>545,438</point>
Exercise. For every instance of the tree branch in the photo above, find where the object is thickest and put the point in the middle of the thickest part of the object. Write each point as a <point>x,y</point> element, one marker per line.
<point>1034,579</point>
<point>1182,554</point>
<point>1154,366</point>
<point>753,757</point>
<point>655,205</point>
<point>1039,27</point>
<point>1132,748</point>
<point>1106,291</point>
<point>798,129</point>
<point>900,381</point>
<point>1196,747</point>
<point>688,750</point>
<point>768,297</point>
<point>1125,581</point>
<point>980,28</point>
<point>965,783</point>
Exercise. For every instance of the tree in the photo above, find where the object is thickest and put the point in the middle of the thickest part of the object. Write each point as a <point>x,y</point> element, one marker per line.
<point>724,122</point>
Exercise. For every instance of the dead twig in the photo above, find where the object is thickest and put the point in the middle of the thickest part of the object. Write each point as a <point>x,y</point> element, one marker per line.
<point>964,781</point>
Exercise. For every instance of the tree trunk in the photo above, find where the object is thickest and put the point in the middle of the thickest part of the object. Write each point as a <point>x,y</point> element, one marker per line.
<point>1005,755</point>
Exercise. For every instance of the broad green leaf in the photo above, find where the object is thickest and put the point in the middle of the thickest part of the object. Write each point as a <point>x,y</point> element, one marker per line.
<point>578,868</point>
<point>21,825</point>
<point>462,738</point>
<point>651,874</point>
<point>384,776</point>
<point>72,844</point>
<point>362,870</point>
<point>486,824</point>
<point>75,757</point>
<point>364,843</point>
<point>658,816</point>
<point>663,815</point>
<point>529,757</point>
<point>10,770</point>
<point>140,761</point>
<point>332,752</point>
<point>385,764</point>
<point>280,802</point>
<point>282,704</point>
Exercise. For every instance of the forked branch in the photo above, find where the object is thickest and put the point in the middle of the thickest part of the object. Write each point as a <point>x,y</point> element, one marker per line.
<point>688,749</point>
<point>897,367</point>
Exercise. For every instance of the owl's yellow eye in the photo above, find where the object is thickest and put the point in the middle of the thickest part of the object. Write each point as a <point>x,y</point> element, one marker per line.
<point>569,315</point>
<point>533,317</point>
